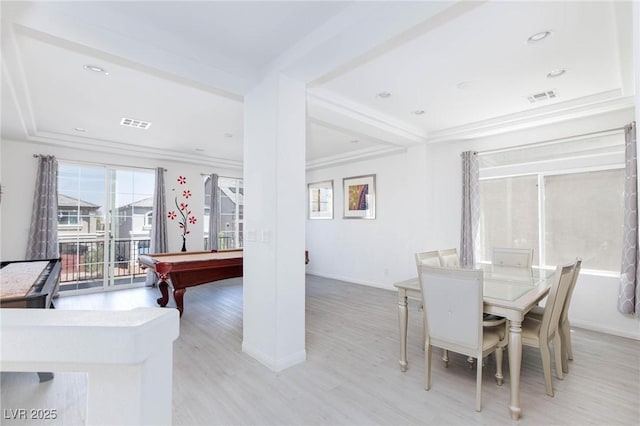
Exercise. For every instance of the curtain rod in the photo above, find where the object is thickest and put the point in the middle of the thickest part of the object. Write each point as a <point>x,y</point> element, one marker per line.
<point>99,164</point>
<point>552,141</point>
<point>228,177</point>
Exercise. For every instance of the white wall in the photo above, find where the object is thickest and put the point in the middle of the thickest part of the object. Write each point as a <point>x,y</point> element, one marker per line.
<point>18,176</point>
<point>375,252</point>
<point>419,201</point>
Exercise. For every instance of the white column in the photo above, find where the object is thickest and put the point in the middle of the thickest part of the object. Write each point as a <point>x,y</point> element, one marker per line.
<point>274,222</point>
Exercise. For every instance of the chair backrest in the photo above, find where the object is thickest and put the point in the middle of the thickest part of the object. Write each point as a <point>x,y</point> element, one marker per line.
<point>452,300</point>
<point>521,258</point>
<point>449,258</point>
<point>564,316</point>
<point>555,300</point>
<point>428,258</point>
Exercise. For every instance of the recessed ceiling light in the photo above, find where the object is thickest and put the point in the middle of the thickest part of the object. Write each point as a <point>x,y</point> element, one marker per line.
<point>384,95</point>
<point>556,73</point>
<point>79,129</point>
<point>95,68</point>
<point>538,37</point>
<point>418,112</point>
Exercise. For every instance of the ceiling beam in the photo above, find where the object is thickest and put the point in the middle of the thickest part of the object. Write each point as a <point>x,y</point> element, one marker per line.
<point>364,30</point>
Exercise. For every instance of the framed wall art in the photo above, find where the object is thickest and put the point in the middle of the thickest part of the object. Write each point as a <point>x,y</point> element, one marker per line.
<point>359,197</point>
<point>321,200</point>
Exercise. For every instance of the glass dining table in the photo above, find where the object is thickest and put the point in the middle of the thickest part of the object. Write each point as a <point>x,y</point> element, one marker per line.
<point>509,292</point>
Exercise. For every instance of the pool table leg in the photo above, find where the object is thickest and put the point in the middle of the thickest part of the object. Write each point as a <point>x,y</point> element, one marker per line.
<point>178,295</point>
<point>164,289</point>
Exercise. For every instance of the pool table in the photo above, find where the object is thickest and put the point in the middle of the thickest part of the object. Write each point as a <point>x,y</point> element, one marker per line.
<point>192,268</point>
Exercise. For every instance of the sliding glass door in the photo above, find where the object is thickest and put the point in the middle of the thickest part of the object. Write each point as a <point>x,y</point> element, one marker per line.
<point>104,219</point>
<point>230,216</point>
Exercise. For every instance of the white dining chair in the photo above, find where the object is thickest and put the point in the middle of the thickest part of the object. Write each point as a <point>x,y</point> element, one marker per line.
<point>431,258</point>
<point>452,299</point>
<point>540,333</point>
<point>521,258</point>
<point>449,258</point>
<point>428,258</point>
<point>564,327</point>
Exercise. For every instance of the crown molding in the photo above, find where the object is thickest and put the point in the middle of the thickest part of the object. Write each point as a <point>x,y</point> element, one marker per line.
<point>111,147</point>
<point>328,107</point>
<point>353,156</point>
<point>577,108</point>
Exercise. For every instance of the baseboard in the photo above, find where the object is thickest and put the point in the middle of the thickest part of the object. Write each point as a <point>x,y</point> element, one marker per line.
<point>272,363</point>
<point>351,280</point>
<point>606,330</point>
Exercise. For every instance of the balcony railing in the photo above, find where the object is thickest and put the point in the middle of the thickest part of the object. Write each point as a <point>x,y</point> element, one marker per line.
<point>83,262</point>
<point>226,240</point>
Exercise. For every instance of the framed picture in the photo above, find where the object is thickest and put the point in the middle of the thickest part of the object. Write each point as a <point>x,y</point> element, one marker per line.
<point>321,200</point>
<point>360,197</point>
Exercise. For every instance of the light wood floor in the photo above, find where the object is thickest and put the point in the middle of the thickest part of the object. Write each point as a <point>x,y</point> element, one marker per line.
<point>351,376</point>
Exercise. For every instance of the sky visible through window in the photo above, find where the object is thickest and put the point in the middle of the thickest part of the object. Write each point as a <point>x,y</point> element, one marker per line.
<point>87,183</point>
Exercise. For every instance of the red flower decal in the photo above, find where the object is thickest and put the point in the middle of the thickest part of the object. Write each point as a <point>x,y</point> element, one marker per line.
<point>182,214</point>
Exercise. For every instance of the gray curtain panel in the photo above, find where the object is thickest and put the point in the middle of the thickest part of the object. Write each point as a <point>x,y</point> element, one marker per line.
<point>214,210</point>
<point>470,209</point>
<point>158,242</point>
<point>43,233</point>
<point>629,291</point>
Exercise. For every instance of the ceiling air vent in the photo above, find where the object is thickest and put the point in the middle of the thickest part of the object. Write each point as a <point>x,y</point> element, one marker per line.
<point>138,124</point>
<point>542,96</point>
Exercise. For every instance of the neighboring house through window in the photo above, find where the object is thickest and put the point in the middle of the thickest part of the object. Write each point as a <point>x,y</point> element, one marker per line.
<point>103,218</point>
<point>564,200</point>
<point>231,212</point>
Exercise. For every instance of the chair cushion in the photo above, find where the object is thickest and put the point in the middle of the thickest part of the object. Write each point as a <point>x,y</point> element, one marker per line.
<point>537,312</point>
<point>490,338</point>
<point>489,320</point>
<point>531,331</point>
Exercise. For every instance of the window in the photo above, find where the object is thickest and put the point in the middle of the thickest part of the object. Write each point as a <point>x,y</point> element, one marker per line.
<point>148,219</point>
<point>509,214</point>
<point>67,218</point>
<point>103,213</point>
<point>230,212</point>
<point>584,214</point>
<point>563,200</point>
